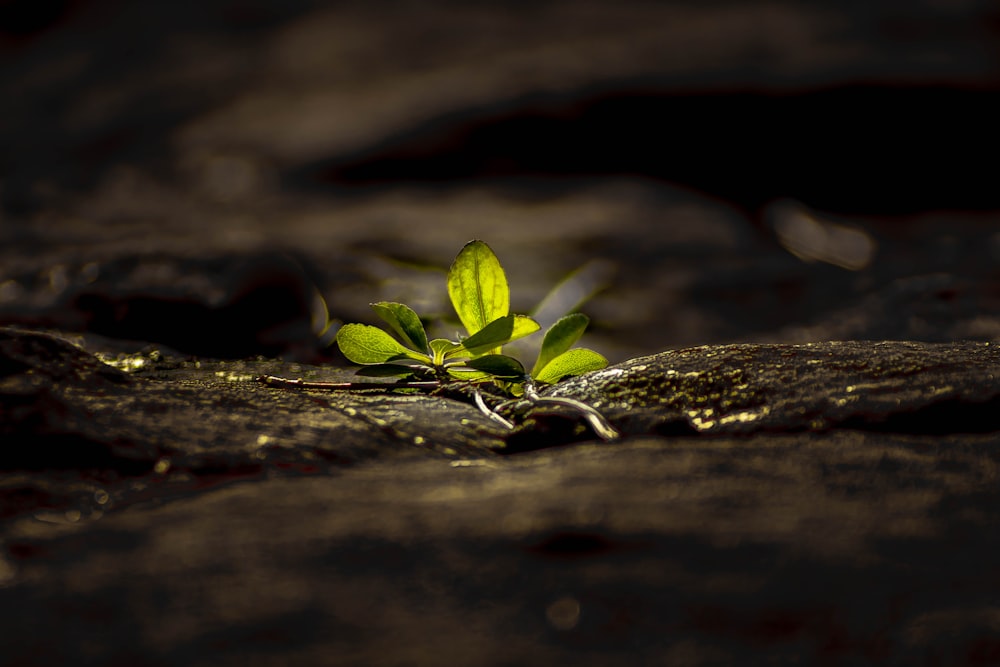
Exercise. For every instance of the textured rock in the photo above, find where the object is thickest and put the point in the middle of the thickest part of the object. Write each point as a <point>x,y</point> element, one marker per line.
<point>62,409</point>
<point>244,175</point>
<point>844,547</point>
<point>850,517</point>
<point>722,390</point>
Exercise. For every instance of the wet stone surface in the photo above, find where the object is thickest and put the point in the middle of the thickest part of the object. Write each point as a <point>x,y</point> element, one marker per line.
<point>831,501</point>
<point>901,387</point>
<point>752,178</point>
<point>63,408</point>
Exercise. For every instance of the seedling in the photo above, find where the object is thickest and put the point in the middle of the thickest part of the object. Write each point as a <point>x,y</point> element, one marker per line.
<point>479,292</point>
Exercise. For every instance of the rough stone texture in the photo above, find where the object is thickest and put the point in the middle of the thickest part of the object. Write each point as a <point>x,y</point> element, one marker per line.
<point>192,192</point>
<point>726,390</point>
<point>182,513</point>
<point>844,548</point>
<point>63,409</point>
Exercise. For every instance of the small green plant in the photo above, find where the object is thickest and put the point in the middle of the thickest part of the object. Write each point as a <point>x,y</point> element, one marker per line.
<point>479,292</point>
<point>478,289</point>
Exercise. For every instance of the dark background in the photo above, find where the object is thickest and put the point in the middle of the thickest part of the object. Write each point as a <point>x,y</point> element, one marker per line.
<point>197,174</point>
<point>218,178</point>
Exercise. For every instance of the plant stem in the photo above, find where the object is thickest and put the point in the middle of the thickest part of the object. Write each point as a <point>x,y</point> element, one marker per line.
<point>485,409</point>
<point>601,426</point>
<point>299,383</point>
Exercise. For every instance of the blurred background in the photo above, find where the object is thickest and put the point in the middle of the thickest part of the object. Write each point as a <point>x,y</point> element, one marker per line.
<point>221,177</point>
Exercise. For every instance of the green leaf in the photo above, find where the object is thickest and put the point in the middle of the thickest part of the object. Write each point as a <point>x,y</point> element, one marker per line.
<point>560,337</point>
<point>572,362</point>
<point>523,326</point>
<point>498,365</point>
<point>478,287</point>
<point>387,370</point>
<point>442,348</point>
<point>493,335</point>
<point>364,344</point>
<point>467,375</point>
<point>404,322</point>
<point>499,332</point>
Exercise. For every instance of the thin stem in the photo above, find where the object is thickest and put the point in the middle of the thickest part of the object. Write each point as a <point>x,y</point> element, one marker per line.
<point>299,383</point>
<point>485,409</point>
<point>602,427</point>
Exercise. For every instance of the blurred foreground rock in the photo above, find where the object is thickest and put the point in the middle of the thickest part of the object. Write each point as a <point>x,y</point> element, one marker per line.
<point>832,503</point>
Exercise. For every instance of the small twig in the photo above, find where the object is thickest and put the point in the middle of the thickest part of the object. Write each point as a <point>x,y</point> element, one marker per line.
<point>601,426</point>
<point>299,383</point>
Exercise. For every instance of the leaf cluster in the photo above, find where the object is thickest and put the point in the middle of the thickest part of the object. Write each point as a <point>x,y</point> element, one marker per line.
<point>480,295</point>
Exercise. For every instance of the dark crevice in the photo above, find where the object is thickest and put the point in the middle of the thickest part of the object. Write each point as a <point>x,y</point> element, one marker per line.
<point>941,418</point>
<point>546,431</point>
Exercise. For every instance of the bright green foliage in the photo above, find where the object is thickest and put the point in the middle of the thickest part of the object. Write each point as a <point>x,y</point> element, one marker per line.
<point>364,344</point>
<point>560,337</point>
<point>478,287</point>
<point>480,295</point>
<point>499,332</point>
<point>523,326</point>
<point>571,362</point>
<point>404,322</point>
<point>556,360</point>
<point>386,370</point>
<point>442,348</point>
<point>498,365</point>
<point>490,336</point>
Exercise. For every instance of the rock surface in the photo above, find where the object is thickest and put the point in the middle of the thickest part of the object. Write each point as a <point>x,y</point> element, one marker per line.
<point>190,193</point>
<point>827,503</point>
